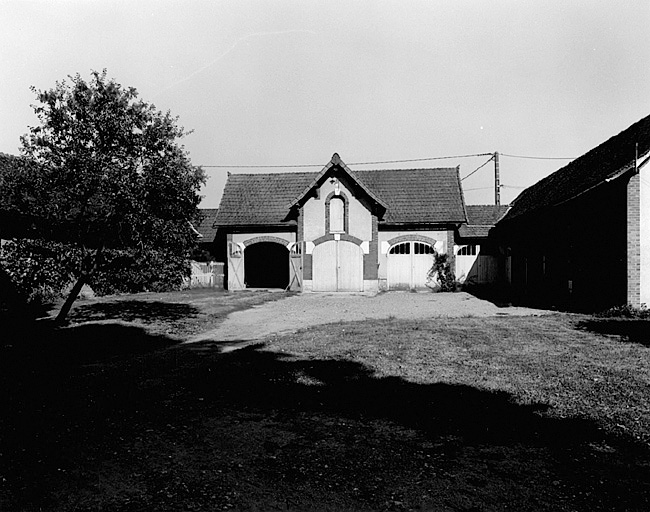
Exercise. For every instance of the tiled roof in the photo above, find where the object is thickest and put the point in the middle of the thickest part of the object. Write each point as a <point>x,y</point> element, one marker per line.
<point>480,219</point>
<point>204,223</point>
<point>259,199</point>
<point>609,159</point>
<point>410,196</point>
<point>418,195</point>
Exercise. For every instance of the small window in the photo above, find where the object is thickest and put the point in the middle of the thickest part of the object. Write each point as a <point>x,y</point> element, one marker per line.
<point>420,248</point>
<point>468,250</point>
<point>404,248</point>
<point>337,215</point>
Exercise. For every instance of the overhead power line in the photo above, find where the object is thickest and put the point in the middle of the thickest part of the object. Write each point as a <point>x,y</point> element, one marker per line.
<point>353,163</point>
<point>477,188</point>
<point>479,167</point>
<point>539,157</point>
<point>449,157</point>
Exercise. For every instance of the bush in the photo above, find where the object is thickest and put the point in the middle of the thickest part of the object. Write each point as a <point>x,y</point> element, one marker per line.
<point>442,274</point>
<point>147,271</point>
<point>626,311</point>
<point>43,271</point>
<point>39,269</point>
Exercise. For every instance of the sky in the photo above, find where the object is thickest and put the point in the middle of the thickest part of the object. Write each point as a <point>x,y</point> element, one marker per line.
<point>288,83</point>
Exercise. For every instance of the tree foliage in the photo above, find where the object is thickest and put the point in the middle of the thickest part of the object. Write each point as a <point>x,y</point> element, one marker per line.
<point>110,182</point>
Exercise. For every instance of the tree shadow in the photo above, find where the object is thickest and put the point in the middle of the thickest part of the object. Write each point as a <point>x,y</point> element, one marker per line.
<point>255,429</point>
<point>130,310</point>
<point>633,330</point>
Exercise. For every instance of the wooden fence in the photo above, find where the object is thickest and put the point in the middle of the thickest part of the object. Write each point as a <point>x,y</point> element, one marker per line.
<point>205,275</point>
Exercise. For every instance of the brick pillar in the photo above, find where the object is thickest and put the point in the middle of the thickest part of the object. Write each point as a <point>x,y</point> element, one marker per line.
<point>371,260</point>
<point>451,257</point>
<point>634,241</point>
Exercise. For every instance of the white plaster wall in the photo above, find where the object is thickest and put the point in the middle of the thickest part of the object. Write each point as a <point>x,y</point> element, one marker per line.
<point>359,218</point>
<point>313,213</point>
<point>645,233</point>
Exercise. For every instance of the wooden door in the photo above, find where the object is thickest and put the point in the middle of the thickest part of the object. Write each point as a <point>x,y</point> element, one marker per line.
<point>337,266</point>
<point>409,264</point>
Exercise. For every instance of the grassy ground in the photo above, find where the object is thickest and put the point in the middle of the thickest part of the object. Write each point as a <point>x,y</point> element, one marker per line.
<point>544,413</point>
<point>177,315</point>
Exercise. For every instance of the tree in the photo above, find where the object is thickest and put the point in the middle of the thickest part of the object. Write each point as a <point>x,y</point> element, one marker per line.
<point>109,181</point>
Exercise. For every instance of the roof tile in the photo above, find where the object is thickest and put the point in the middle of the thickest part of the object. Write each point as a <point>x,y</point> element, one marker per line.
<point>410,195</point>
<point>204,223</point>
<point>609,158</point>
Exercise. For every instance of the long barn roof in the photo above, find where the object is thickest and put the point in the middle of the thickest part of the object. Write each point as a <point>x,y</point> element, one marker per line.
<point>610,159</point>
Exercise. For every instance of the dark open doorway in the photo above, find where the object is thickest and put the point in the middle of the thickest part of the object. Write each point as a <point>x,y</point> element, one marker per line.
<point>266,265</point>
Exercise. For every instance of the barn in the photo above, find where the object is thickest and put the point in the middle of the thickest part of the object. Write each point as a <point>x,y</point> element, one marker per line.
<point>580,238</point>
<point>338,229</point>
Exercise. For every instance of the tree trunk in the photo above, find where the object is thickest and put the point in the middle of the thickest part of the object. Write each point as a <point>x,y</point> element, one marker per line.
<point>72,296</point>
<point>76,289</point>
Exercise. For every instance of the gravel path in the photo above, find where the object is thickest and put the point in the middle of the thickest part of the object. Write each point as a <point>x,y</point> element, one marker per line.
<point>308,309</point>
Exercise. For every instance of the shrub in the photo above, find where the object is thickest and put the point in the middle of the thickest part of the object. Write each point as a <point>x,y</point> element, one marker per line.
<point>146,271</point>
<point>626,311</point>
<point>39,269</point>
<point>442,274</point>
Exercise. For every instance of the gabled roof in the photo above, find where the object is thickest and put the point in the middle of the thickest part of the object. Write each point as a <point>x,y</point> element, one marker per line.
<point>337,163</point>
<point>204,223</point>
<point>608,160</point>
<point>480,219</point>
<point>410,196</point>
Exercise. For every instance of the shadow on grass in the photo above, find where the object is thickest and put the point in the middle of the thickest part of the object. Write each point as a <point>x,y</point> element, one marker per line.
<point>630,329</point>
<point>192,427</point>
<point>130,310</point>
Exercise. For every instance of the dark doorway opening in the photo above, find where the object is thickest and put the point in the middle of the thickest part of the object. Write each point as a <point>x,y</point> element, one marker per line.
<point>266,265</point>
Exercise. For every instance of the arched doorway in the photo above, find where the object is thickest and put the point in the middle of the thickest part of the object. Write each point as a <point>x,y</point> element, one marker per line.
<point>266,265</point>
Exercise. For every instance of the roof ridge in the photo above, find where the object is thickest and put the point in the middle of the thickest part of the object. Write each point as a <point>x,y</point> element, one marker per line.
<point>606,160</point>
<point>408,169</point>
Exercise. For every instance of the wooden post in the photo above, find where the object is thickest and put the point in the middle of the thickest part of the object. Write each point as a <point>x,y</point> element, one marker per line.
<point>497,183</point>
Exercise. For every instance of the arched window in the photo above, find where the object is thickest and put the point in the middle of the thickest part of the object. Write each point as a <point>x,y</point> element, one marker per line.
<point>421,248</point>
<point>404,248</point>
<point>468,250</point>
<point>337,215</point>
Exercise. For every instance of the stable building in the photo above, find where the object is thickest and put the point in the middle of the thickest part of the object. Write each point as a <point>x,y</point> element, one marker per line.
<point>580,238</point>
<point>338,229</point>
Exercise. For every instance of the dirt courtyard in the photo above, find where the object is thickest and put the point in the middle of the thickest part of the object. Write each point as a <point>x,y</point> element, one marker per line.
<point>297,312</point>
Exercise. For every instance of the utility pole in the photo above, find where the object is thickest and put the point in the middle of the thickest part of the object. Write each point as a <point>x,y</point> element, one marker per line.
<point>497,183</point>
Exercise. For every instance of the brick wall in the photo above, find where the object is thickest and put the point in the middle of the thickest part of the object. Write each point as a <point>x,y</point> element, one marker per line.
<point>634,241</point>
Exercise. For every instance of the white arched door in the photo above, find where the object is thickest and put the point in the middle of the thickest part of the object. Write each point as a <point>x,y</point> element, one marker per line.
<point>409,264</point>
<point>337,266</point>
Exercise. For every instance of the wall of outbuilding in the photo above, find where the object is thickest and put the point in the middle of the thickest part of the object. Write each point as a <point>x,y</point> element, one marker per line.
<point>572,256</point>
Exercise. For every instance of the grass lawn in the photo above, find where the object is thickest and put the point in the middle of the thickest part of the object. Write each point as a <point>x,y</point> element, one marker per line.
<point>530,413</point>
